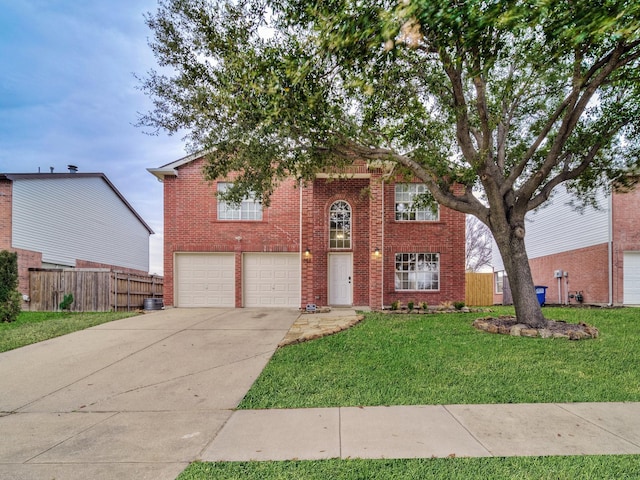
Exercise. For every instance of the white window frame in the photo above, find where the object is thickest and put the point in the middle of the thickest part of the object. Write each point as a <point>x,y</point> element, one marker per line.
<point>499,281</point>
<point>403,204</point>
<point>340,227</point>
<point>249,209</point>
<point>417,272</point>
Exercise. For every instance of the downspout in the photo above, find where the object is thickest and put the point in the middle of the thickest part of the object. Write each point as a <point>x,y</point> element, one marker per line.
<point>610,249</point>
<point>300,240</point>
<point>382,254</point>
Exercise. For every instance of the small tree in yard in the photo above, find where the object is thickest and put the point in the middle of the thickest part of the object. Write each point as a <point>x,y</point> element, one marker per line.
<point>510,97</point>
<point>9,296</point>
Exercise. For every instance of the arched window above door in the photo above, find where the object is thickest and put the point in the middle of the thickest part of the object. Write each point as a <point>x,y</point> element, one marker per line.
<point>340,225</point>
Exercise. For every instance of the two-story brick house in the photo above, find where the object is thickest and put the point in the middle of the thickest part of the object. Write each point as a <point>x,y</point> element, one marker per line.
<point>348,239</point>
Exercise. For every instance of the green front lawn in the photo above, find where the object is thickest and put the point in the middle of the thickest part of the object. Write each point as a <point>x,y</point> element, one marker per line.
<point>33,327</point>
<point>521,468</point>
<point>441,359</point>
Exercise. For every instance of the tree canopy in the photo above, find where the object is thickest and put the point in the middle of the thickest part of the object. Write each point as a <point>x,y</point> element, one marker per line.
<point>512,98</point>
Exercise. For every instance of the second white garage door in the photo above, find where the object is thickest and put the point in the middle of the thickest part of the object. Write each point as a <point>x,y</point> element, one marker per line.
<point>271,280</point>
<point>631,278</point>
<point>205,280</point>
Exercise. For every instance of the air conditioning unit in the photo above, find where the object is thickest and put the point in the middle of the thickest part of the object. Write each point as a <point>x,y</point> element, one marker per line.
<point>557,274</point>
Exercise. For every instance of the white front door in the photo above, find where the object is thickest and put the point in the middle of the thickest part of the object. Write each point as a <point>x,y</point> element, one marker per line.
<point>340,279</point>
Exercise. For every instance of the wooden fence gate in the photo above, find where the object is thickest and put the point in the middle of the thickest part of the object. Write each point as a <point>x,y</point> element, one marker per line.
<point>93,290</point>
<point>479,289</point>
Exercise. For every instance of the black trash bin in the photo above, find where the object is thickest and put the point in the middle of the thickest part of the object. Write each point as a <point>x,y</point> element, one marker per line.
<point>153,304</point>
<point>541,293</point>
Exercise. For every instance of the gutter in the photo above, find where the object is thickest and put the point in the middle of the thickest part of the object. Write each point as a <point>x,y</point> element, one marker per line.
<point>610,249</point>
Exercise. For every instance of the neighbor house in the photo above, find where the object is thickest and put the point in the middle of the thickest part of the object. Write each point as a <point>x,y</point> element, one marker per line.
<point>587,255</point>
<point>341,240</point>
<point>70,220</point>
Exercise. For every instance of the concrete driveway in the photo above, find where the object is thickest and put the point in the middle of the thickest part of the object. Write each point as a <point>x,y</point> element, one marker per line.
<point>135,398</point>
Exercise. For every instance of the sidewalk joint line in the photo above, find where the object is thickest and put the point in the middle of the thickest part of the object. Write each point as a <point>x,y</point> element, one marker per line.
<point>491,454</point>
<point>340,433</point>
<point>599,427</point>
<point>109,417</point>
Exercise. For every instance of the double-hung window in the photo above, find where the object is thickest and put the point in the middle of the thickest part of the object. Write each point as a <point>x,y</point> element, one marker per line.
<point>417,271</point>
<point>248,209</point>
<point>404,207</point>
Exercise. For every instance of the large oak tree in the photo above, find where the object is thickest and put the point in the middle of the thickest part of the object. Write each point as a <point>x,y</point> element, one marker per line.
<point>511,97</point>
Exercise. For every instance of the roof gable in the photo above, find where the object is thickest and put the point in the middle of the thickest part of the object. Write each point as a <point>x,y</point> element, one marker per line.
<point>17,177</point>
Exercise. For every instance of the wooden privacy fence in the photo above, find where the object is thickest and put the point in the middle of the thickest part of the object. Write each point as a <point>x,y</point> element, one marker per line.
<point>93,290</point>
<point>479,289</point>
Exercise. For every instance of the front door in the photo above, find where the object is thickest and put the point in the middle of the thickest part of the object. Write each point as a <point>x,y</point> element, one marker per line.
<point>340,279</point>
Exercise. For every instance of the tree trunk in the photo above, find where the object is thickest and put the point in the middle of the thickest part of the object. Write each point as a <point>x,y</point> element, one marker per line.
<point>516,264</point>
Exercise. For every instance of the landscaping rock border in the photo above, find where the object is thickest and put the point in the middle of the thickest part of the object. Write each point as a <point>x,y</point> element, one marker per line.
<point>508,325</point>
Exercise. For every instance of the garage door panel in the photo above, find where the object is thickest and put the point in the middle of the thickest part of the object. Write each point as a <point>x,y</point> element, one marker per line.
<point>271,280</point>
<point>631,274</point>
<point>205,280</point>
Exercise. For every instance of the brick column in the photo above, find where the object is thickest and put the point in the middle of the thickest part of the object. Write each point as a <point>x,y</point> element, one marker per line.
<point>307,293</point>
<point>6,198</point>
<point>376,232</point>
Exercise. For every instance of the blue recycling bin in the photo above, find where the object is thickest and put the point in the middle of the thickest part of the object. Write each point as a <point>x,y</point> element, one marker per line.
<point>541,293</point>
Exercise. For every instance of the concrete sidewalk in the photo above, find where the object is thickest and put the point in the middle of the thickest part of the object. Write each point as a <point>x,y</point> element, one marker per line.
<point>429,431</point>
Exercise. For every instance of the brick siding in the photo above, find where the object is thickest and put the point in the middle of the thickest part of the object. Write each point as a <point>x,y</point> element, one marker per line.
<point>6,195</point>
<point>191,225</point>
<point>587,268</point>
<point>626,235</point>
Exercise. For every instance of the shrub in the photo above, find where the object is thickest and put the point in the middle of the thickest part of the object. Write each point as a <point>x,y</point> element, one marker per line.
<point>425,306</point>
<point>458,305</point>
<point>66,302</point>
<point>9,296</point>
<point>446,305</point>
<point>410,306</point>
<point>395,305</point>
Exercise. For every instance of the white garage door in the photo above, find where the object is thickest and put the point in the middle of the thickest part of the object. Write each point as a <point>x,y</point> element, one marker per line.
<point>271,280</point>
<point>205,280</point>
<point>631,278</point>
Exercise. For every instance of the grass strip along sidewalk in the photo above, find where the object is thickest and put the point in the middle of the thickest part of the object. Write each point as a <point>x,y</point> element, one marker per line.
<point>521,468</point>
<point>33,327</point>
<point>441,359</point>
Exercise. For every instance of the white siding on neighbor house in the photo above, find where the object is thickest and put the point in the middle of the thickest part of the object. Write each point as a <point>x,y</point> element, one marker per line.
<point>77,218</point>
<point>558,227</point>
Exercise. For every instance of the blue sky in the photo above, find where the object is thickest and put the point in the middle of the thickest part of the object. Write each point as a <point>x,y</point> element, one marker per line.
<point>68,96</point>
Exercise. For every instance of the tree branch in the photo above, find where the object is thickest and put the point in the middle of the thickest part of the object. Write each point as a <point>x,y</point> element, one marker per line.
<point>565,175</point>
<point>576,107</point>
<point>460,106</point>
